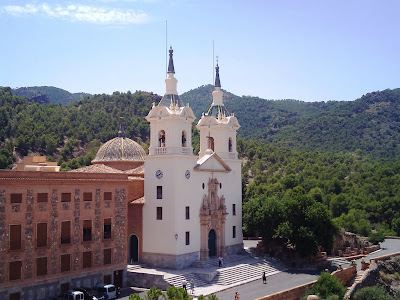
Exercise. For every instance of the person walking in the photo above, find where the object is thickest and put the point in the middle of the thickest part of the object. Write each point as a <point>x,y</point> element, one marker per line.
<point>192,286</point>
<point>219,261</point>
<point>184,283</point>
<point>237,296</point>
<point>264,278</point>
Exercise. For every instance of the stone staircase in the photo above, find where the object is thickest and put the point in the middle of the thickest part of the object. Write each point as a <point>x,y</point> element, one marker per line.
<point>213,262</point>
<point>176,281</point>
<point>246,272</point>
<point>234,270</point>
<point>339,261</point>
<point>355,280</point>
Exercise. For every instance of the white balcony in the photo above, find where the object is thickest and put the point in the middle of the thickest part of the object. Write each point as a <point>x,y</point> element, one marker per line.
<point>173,150</point>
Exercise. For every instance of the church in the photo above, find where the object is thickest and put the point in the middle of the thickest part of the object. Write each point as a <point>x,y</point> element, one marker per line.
<point>193,204</point>
<point>168,209</point>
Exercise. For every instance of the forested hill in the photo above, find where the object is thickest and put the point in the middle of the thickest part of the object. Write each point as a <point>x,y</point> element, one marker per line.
<point>48,94</point>
<point>369,125</point>
<point>70,134</point>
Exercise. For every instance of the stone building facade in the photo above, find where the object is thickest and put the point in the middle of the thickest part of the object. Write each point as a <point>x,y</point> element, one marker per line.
<point>60,230</point>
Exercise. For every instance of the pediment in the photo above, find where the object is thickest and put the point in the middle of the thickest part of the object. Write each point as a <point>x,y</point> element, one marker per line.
<point>158,111</point>
<point>211,162</point>
<point>207,121</point>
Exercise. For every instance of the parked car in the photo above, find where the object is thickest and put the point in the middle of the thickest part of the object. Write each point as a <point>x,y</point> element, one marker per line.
<point>107,289</point>
<point>90,294</point>
<point>74,295</point>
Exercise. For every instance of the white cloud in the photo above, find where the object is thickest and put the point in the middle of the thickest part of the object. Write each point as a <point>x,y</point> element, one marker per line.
<point>81,13</point>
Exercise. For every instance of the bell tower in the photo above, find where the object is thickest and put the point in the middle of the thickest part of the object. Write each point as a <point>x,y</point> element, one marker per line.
<point>168,227</point>
<point>170,121</point>
<point>218,127</point>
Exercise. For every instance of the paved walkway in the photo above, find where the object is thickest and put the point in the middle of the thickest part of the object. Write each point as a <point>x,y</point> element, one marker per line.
<point>252,287</point>
<point>209,278</point>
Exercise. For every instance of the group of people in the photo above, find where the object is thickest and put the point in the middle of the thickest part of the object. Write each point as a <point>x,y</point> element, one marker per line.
<point>191,285</point>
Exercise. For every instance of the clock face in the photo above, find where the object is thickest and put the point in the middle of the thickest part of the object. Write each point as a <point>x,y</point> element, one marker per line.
<point>159,174</point>
<point>187,174</point>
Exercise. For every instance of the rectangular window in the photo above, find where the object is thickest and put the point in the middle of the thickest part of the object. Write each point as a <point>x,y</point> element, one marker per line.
<point>15,237</point>
<point>66,232</point>
<point>65,262</point>
<point>87,196</point>
<point>107,196</point>
<point>65,197</point>
<point>15,296</point>
<point>234,231</point>
<point>87,230</point>
<point>159,213</point>
<point>159,192</point>
<point>14,270</point>
<point>187,237</point>
<point>107,228</point>
<point>42,197</point>
<point>41,235</point>
<point>187,213</point>
<point>107,256</point>
<point>16,198</point>
<point>234,209</point>
<point>87,259</point>
<point>41,266</point>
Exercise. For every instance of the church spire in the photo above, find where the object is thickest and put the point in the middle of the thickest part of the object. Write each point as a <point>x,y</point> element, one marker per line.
<point>121,132</point>
<point>217,81</point>
<point>171,68</point>
<point>171,98</point>
<point>217,108</point>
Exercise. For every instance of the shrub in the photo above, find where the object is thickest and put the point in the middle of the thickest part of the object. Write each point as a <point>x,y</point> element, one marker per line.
<point>327,287</point>
<point>372,293</point>
<point>376,237</point>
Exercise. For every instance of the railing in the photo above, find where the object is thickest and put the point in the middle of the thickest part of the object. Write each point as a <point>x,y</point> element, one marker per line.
<point>173,150</point>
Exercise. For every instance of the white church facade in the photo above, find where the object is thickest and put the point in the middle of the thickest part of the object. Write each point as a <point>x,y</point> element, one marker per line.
<point>193,204</point>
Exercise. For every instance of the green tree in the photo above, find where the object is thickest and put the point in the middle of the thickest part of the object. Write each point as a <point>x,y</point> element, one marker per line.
<point>153,294</point>
<point>174,293</point>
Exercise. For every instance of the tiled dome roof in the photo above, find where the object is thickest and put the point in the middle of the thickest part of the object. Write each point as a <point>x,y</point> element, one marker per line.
<point>120,149</point>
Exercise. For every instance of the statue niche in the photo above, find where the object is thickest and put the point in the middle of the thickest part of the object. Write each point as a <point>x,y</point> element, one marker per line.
<point>212,216</point>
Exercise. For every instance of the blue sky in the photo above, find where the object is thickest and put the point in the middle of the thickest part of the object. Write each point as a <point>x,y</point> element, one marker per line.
<point>305,50</point>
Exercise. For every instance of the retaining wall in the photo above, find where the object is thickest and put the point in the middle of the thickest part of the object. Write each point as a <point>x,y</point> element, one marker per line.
<point>345,276</point>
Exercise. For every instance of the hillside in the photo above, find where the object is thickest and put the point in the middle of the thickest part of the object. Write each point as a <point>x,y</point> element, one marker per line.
<point>48,94</point>
<point>370,124</point>
<point>66,132</point>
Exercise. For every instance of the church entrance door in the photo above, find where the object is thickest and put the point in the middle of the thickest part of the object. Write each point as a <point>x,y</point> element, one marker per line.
<point>134,249</point>
<point>212,243</point>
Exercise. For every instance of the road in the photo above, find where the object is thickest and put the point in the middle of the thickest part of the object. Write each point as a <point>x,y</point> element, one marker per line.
<point>280,281</point>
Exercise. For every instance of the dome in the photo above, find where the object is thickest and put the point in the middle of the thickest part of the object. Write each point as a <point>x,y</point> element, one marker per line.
<point>120,149</point>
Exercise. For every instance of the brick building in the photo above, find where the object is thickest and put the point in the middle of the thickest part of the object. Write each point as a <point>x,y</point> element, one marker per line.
<point>60,230</point>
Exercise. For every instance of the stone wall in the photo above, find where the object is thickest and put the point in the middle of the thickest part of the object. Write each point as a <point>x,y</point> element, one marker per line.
<point>371,275</point>
<point>169,261</point>
<point>290,294</point>
<point>147,280</point>
<point>345,276</point>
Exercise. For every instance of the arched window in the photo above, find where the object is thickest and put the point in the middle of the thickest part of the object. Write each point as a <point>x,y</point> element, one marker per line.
<point>161,138</point>
<point>183,138</point>
<point>230,144</point>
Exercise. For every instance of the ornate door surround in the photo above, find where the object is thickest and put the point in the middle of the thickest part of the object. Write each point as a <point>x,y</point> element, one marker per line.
<point>212,216</point>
